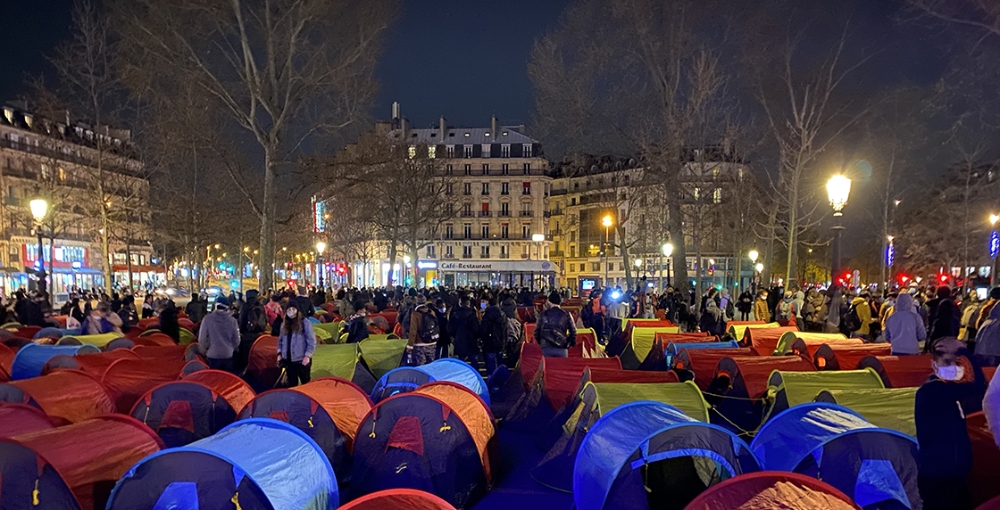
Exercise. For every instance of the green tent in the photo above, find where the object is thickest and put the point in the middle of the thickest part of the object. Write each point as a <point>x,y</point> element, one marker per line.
<point>343,361</point>
<point>789,337</point>
<point>890,408</point>
<point>642,339</point>
<point>684,396</point>
<point>328,332</point>
<point>382,354</point>
<point>187,337</point>
<point>95,340</point>
<point>738,330</point>
<point>789,389</point>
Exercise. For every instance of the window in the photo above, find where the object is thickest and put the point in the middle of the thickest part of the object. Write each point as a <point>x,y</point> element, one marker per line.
<point>505,150</point>
<point>467,150</point>
<point>505,169</point>
<point>572,201</point>
<point>412,152</point>
<point>432,151</point>
<point>486,169</point>
<point>467,210</point>
<point>486,230</point>
<point>467,251</point>
<point>449,231</point>
<point>450,149</point>
<point>611,266</point>
<point>485,211</point>
<point>467,230</point>
<point>449,208</point>
<point>449,252</point>
<point>595,266</point>
<point>526,231</point>
<point>527,168</point>
<point>505,188</point>
<point>484,252</point>
<point>46,171</point>
<point>486,150</point>
<point>468,169</point>
<point>468,189</point>
<point>448,189</point>
<point>430,252</point>
<point>572,268</point>
<point>526,209</point>
<point>486,188</point>
<point>504,231</point>
<point>717,196</point>
<point>526,188</point>
<point>504,251</point>
<point>62,174</point>
<point>697,193</point>
<point>527,150</point>
<point>504,209</point>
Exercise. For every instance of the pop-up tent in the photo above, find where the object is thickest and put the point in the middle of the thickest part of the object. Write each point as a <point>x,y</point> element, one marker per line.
<point>900,371</point>
<point>841,357</point>
<point>17,419</point>
<point>381,353</point>
<point>555,470</point>
<point>739,386</point>
<point>67,395</point>
<point>672,349</point>
<point>889,408</point>
<point>763,338</point>
<point>772,489</point>
<point>685,397</point>
<point>403,379</point>
<point>30,359</point>
<point>72,467</point>
<point>789,389</point>
<point>875,467</point>
<point>639,337</point>
<point>235,390</point>
<point>128,379</point>
<point>553,383</point>
<point>698,365</point>
<point>803,343</point>
<point>170,352</point>
<point>429,442</point>
<point>328,410</point>
<point>93,364</point>
<point>262,363</point>
<point>252,464</point>
<point>96,340</point>
<point>6,358</point>
<point>736,329</point>
<point>182,412</point>
<point>343,361</point>
<point>398,499</point>
<point>646,454</point>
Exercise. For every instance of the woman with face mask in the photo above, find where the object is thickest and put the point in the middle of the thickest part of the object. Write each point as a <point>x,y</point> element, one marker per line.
<point>942,403</point>
<point>296,345</point>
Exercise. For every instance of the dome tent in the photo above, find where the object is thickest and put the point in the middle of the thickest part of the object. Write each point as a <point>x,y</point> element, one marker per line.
<point>30,359</point>
<point>17,419</point>
<point>698,365</point>
<point>93,364</point>
<point>404,379</point>
<point>789,389</point>
<point>889,408</point>
<point>871,465</point>
<point>129,379</point>
<point>841,357</point>
<point>398,499</point>
<point>803,343</point>
<point>900,371</point>
<point>235,390</point>
<point>739,386</point>
<point>182,412</point>
<point>69,396</point>
<point>653,445</point>
<point>772,489</point>
<point>248,464</point>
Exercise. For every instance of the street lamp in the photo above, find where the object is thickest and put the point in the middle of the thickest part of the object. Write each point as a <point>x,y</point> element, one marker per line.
<point>607,222</point>
<point>667,249</point>
<point>890,259</point>
<point>39,209</point>
<point>994,247</point>
<point>320,248</point>
<point>838,189</point>
<point>753,254</point>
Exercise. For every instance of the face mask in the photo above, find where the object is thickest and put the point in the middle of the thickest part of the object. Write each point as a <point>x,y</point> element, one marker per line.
<point>950,372</point>
<point>291,313</point>
<point>441,310</point>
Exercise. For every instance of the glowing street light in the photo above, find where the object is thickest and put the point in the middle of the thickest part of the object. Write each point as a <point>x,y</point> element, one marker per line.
<point>838,190</point>
<point>320,247</point>
<point>607,222</point>
<point>667,249</point>
<point>39,209</point>
<point>753,254</point>
<point>759,267</point>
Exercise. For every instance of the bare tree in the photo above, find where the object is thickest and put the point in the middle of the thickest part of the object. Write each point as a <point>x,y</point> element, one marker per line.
<point>279,70</point>
<point>983,16</point>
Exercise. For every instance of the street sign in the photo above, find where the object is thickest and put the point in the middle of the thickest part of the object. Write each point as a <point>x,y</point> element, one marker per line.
<point>994,244</point>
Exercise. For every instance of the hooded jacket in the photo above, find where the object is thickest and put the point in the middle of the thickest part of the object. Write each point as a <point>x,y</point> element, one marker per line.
<point>904,328</point>
<point>988,337</point>
<point>864,313</point>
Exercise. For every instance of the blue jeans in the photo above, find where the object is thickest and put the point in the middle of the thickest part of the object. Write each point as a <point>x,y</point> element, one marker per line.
<point>555,352</point>
<point>224,364</point>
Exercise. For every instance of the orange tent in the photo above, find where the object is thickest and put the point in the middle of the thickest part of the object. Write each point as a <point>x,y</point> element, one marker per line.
<point>900,371</point>
<point>764,340</point>
<point>17,419</point>
<point>700,363</point>
<point>127,380</point>
<point>235,390</point>
<point>398,499</point>
<point>68,395</point>
<point>93,364</point>
<point>846,357</point>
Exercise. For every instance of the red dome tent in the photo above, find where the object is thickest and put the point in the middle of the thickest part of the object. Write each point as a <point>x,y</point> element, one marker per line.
<point>262,367</point>
<point>73,467</point>
<point>740,382</point>
<point>17,419</point>
<point>772,489</point>
<point>764,340</point>
<point>846,357</point>
<point>93,364</point>
<point>128,379</point>
<point>181,412</point>
<point>67,395</point>
<point>6,358</point>
<point>235,390</point>
<point>982,480</point>
<point>900,371</point>
<point>154,339</point>
<point>698,365</point>
<point>398,499</point>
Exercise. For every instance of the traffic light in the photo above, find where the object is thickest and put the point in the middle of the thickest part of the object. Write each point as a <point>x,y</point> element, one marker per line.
<point>943,278</point>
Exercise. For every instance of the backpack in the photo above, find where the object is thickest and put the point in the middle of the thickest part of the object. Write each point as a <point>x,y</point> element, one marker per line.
<point>730,309</point>
<point>512,337</point>
<point>256,319</point>
<point>851,321</point>
<point>785,309</point>
<point>429,330</point>
<point>587,314</point>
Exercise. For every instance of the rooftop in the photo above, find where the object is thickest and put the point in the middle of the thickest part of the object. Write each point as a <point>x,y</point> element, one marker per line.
<point>462,136</point>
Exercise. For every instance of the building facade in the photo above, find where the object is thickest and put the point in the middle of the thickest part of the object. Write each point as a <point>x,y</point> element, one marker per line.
<point>58,161</point>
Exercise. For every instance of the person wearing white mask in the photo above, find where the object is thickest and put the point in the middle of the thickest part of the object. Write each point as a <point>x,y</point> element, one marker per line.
<point>296,345</point>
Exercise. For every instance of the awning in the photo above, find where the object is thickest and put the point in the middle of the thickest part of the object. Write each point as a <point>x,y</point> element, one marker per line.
<point>82,270</point>
<point>139,268</point>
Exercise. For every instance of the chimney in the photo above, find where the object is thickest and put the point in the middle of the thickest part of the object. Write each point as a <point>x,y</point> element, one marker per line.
<point>443,127</point>
<point>395,110</point>
<point>493,126</point>
<point>405,127</point>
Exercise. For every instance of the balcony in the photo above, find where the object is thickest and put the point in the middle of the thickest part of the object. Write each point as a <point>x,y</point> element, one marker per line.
<point>505,255</point>
<point>504,214</point>
<point>546,214</point>
<point>449,256</point>
<point>484,214</point>
<point>553,254</point>
<point>466,255</point>
<point>559,192</point>
<point>557,212</point>
<point>526,214</point>
<point>466,214</point>
<point>484,255</point>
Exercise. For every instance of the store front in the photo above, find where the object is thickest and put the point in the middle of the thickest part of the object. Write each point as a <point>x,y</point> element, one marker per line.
<point>143,276</point>
<point>530,273</point>
<point>68,266</point>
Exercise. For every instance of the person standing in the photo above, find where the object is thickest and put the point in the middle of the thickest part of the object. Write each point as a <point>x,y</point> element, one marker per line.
<point>944,317</point>
<point>555,331</point>
<point>219,336</point>
<point>863,310</point>
<point>196,309</point>
<point>463,326</point>
<point>424,334</point>
<point>904,329</point>
<point>712,321</point>
<point>357,324</point>
<point>492,333</point>
<point>761,311</point>
<point>253,323</point>
<point>984,311</point>
<point>745,305</point>
<point>101,320</point>
<point>444,341</point>
<point>296,345</point>
<point>167,323</point>
<point>988,339</point>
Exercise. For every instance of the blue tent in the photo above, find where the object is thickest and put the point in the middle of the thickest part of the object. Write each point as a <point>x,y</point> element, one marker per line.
<point>405,379</point>
<point>872,465</point>
<point>56,333</point>
<point>253,464</point>
<point>30,359</point>
<point>673,347</point>
<point>182,412</point>
<point>650,444</point>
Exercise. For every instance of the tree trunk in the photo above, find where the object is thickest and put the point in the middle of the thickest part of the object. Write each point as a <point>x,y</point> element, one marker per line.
<point>268,210</point>
<point>676,227</point>
<point>390,281</point>
<point>699,283</point>
<point>128,262</point>
<point>793,234</point>
<point>772,220</point>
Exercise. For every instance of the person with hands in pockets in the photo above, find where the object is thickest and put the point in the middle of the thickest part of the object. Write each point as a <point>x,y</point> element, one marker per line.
<point>296,345</point>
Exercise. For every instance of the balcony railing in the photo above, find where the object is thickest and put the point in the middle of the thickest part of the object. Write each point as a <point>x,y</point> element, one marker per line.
<point>504,214</point>
<point>526,214</point>
<point>466,214</point>
<point>505,255</point>
<point>484,214</point>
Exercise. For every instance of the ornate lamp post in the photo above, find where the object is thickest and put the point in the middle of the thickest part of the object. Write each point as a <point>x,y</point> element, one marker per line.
<point>320,266</point>
<point>838,189</point>
<point>668,250</point>
<point>39,209</point>
<point>994,248</point>
<point>607,222</point>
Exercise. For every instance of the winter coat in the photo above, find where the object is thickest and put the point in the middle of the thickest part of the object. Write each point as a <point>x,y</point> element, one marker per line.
<point>357,329</point>
<point>864,312</point>
<point>943,320</point>
<point>492,330</point>
<point>745,303</point>
<point>945,449</point>
<point>463,326</point>
<point>218,335</point>
<point>711,319</point>
<point>988,337</point>
<point>303,343</point>
<point>904,328</point>
<point>761,311</point>
<point>556,329</point>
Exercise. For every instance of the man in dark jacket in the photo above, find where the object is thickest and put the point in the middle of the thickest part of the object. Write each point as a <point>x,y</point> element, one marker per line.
<point>196,309</point>
<point>493,332</point>
<point>357,324</point>
<point>253,320</point>
<point>555,331</point>
<point>463,326</point>
<point>424,334</point>
<point>945,455</point>
<point>943,321</point>
<point>444,341</point>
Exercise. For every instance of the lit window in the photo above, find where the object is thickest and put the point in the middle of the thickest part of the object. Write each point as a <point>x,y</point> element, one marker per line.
<point>527,150</point>
<point>486,149</point>
<point>413,151</point>
<point>717,196</point>
<point>505,150</point>
<point>449,252</point>
<point>697,193</point>
<point>431,151</point>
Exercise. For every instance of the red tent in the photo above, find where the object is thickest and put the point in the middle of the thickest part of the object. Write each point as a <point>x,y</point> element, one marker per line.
<point>753,371</point>
<point>78,457</point>
<point>680,338</point>
<point>531,355</point>
<point>17,419</point>
<point>27,331</point>
<point>603,375</point>
<point>172,352</point>
<point>772,489</point>
<point>235,390</point>
<point>764,340</point>
<point>127,380</point>
<point>985,460</point>
<point>398,499</point>
<point>262,365</point>
<point>807,347</point>
<point>6,359</point>
<point>93,364</point>
<point>701,363</point>
<point>900,371</point>
<point>154,339</point>
<point>67,395</point>
<point>846,357</point>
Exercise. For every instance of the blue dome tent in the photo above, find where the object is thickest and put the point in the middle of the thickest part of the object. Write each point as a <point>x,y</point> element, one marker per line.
<point>406,379</point>
<point>254,464</point>
<point>182,412</point>
<point>31,358</point>
<point>876,467</point>
<point>646,455</point>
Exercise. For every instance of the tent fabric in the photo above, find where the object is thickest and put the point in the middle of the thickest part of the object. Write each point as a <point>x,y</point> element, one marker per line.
<point>345,401</point>
<point>398,499</point>
<point>531,357</point>
<point>342,361</point>
<point>96,340</point>
<point>555,469</point>
<point>737,329</point>
<point>235,390</point>
<point>602,375</point>
<point>699,364</point>
<point>789,389</point>
<point>812,341</point>
<point>764,339</point>
<point>381,354</point>
<point>119,343</point>
<point>888,408</point>
<point>80,454</point>
<point>170,352</point>
<point>985,460</point>
<point>671,350</point>
<point>643,336</point>
<point>475,414</point>
<point>685,397</point>
<point>68,395</point>
<point>839,357</point>
<point>93,364</point>
<point>767,490</point>
<point>6,357</point>
<point>17,419</point>
<point>262,363</point>
<point>182,412</point>
<point>154,339</point>
<point>404,379</point>
<point>562,375</point>
<point>869,464</point>
<point>30,359</point>
<point>899,371</point>
<point>253,463</point>
<point>128,379</point>
<point>449,466</point>
<point>332,330</point>
<point>607,472</point>
<point>738,386</point>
